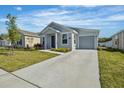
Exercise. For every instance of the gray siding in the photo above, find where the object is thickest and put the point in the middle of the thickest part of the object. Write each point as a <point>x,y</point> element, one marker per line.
<point>59,40</point>
<point>87,33</point>
<point>118,41</point>
<point>69,45</point>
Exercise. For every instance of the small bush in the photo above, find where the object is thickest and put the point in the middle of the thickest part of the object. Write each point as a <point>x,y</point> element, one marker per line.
<point>29,49</point>
<point>99,48</point>
<point>37,46</point>
<point>61,49</point>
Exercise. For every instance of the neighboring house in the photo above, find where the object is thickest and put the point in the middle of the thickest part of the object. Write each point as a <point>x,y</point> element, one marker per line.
<point>4,43</point>
<point>59,36</point>
<point>118,40</point>
<point>28,39</point>
<point>106,44</point>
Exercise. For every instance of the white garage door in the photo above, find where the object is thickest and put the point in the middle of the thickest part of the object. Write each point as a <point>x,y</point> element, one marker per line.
<point>86,42</point>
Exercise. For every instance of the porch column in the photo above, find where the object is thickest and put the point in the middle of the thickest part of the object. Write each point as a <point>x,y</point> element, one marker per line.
<point>56,40</point>
<point>45,41</point>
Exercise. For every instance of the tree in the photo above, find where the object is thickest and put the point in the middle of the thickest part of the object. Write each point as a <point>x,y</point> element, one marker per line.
<point>3,36</point>
<point>13,33</point>
<point>104,39</point>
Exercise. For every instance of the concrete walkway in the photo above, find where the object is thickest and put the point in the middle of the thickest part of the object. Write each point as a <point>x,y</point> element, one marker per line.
<point>77,69</point>
<point>8,80</point>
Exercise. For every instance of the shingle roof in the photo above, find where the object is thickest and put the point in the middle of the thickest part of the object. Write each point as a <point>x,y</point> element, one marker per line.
<point>61,28</point>
<point>117,33</point>
<point>84,29</point>
<point>27,33</point>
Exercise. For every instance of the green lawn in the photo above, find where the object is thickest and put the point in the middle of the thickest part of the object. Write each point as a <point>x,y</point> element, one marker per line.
<point>111,69</point>
<point>22,59</point>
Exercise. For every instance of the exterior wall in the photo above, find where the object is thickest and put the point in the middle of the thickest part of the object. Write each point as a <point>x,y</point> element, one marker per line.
<point>118,41</point>
<point>73,41</point>
<point>83,33</point>
<point>123,40</point>
<point>71,44</point>
<point>5,43</point>
<point>69,40</point>
<point>115,41</point>
<point>77,40</point>
<point>22,38</point>
<point>31,41</point>
<point>106,44</point>
<point>86,33</point>
<point>95,40</point>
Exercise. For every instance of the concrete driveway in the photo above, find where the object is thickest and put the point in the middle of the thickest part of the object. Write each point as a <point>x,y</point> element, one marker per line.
<point>76,69</point>
<point>7,80</point>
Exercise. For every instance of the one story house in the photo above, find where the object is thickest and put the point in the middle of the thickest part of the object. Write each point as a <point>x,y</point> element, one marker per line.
<point>4,43</point>
<point>106,44</point>
<point>118,40</point>
<point>60,36</point>
<point>28,39</point>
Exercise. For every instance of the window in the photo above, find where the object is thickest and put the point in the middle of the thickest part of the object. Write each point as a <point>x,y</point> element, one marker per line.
<point>64,38</point>
<point>29,39</point>
<point>116,41</point>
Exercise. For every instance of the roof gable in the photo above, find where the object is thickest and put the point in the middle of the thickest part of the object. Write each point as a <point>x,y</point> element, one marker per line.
<point>27,33</point>
<point>58,27</point>
<point>63,28</point>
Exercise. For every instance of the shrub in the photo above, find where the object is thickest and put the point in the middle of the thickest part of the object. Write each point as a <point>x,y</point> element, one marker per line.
<point>61,49</point>
<point>99,48</point>
<point>37,46</point>
<point>29,49</point>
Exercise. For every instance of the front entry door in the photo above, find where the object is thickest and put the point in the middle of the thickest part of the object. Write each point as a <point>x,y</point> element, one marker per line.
<point>53,41</point>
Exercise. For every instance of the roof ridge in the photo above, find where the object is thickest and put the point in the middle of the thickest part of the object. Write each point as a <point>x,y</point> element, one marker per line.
<point>28,33</point>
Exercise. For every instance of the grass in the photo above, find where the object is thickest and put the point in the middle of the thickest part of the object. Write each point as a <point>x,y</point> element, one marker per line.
<point>111,68</point>
<point>21,59</point>
<point>61,49</point>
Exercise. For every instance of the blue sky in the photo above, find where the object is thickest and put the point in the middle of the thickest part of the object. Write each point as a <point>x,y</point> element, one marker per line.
<point>108,19</point>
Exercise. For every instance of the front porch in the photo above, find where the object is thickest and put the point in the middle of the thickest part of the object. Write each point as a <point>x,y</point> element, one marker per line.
<point>50,41</point>
<point>50,38</point>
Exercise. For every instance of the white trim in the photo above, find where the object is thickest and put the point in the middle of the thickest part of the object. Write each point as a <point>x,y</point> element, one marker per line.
<point>78,41</point>
<point>50,41</point>
<point>122,41</point>
<point>72,41</point>
<point>49,29</point>
<point>95,42</point>
<point>75,32</point>
<point>45,45</point>
<point>56,44</point>
<point>87,35</point>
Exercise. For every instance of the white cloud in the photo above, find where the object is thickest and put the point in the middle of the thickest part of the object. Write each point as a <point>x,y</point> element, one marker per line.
<point>18,8</point>
<point>79,6</point>
<point>90,6</point>
<point>50,12</point>
<point>38,19</point>
<point>3,19</point>
<point>117,17</point>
